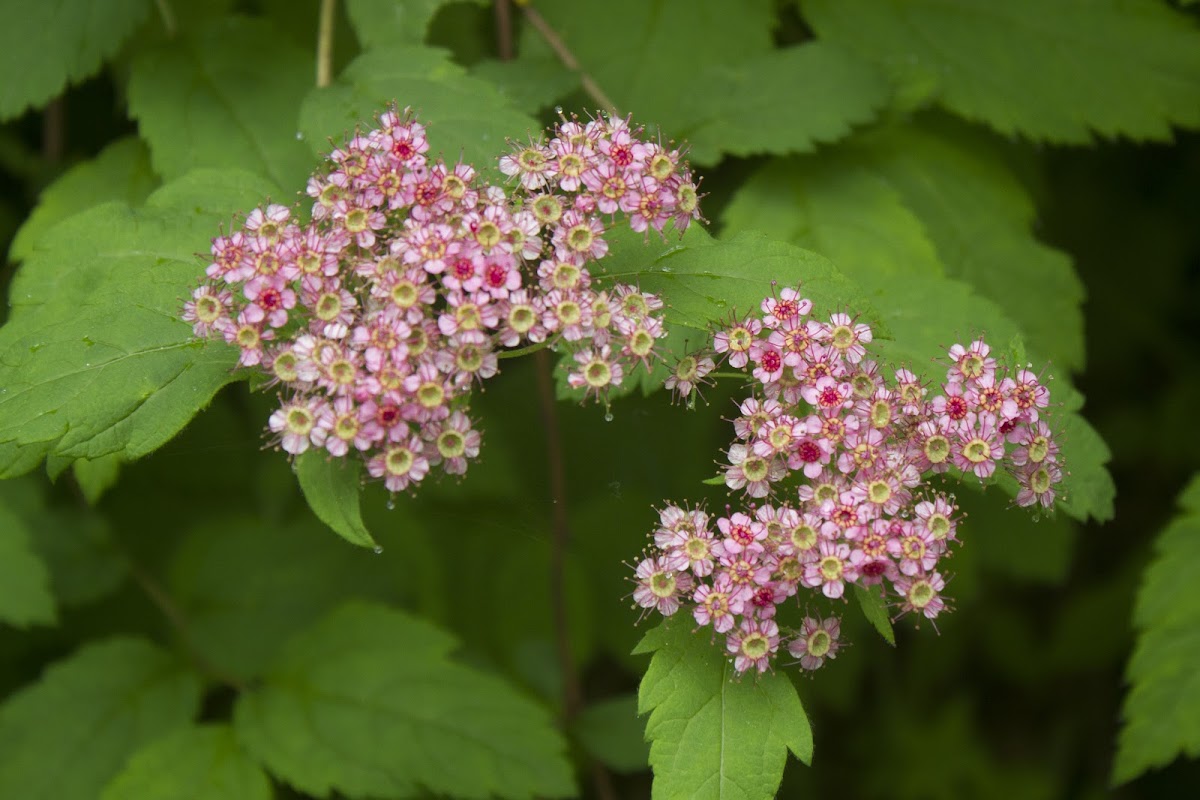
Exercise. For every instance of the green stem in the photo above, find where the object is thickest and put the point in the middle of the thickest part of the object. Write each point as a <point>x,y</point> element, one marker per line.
<point>526,350</point>
<point>325,43</point>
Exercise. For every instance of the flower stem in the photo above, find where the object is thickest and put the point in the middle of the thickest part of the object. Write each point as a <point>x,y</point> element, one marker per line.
<point>568,59</point>
<point>325,43</point>
<point>526,350</point>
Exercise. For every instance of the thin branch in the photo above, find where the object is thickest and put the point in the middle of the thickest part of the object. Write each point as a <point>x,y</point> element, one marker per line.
<point>526,350</point>
<point>325,25</point>
<point>560,534</point>
<point>504,31</point>
<point>54,128</point>
<point>568,58</point>
<point>163,601</point>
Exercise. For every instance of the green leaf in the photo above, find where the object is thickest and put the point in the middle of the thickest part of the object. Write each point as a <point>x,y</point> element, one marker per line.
<point>1088,488</point>
<point>224,96</point>
<point>653,73</point>
<point>1061,71</point>
<point>367,702</point>
<point>530,84</point>
<point>464,115</point>
<point>46,45</point>
<point>381,23</point>
<point>1162,710</point>
<point>610,732</point>
<point>25,597</point>
<point>837,206</point>
<point>874,608</point>
<point>94,359</point>
<point>88,714</point>
<point>96,476</point>
<point>73,543</point>
<point>784,101</point>
<point>246,586</point>
<point>980,219</point>
<point>331,487</point>
<point>203,762</point>
<point>120,172</point>
<point>705,280</point>
<point>711,734</point>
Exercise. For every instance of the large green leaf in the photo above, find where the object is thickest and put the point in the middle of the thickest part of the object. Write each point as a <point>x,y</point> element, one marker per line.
<point>1060,71</point>
<point>703,281</point>
<point>25,597</point>
<point>201,762</point>
<point>225,96</point>
<point>916,202</point>
<point>835,205</point>
<point>464,115</point>
<point>784,101</point>
<point>48,44</point>
<point>382,23</point>
<point>1162,709</point>
<point>120,172</point>
<point>367,702</point>
<point>713,735</point>
<point>247,585</point>
<point>64,737</point>
<point>331,487</point>
<point>94,358</point>
<point>648,57</point>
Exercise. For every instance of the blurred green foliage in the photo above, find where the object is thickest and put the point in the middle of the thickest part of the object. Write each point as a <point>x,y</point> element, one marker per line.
<point>172,614</point>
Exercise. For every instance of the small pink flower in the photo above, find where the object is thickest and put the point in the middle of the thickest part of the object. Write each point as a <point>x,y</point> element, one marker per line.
<point>660,587</point>
<point>753,643</point>
<point>816,641</point>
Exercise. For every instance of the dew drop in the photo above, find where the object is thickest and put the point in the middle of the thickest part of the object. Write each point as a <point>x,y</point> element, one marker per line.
<point>391,504</point>
<point>1037,517</point>
<point>608,416</point>
<point>378,550</point>
<point>299,136</point>
<point>558,110</point>
<point>666,269</point>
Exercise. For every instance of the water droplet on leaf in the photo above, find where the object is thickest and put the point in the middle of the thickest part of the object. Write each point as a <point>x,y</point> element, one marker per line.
<point>378,550</point>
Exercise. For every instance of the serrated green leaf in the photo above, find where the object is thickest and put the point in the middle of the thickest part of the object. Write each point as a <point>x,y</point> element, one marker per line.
<point>611,733</point>
<point>120,172</point>
<point>927,315</point>
<point>705,280</point>
<point>1162,709</point>
<point>837,206</point>
<point>331,487</point>
<point>367,702</point>
<point>1061,71</point>
<point>246,585</point>
<point>203,762</point>
<point>225,96</point>
<point>981,219</point>
<point>530,84</point>
<point>874,608</point>
<point>712,735</point>
<point>653,74</point>
<point>383,23</point>
<point>94,359</point>
<point>25,597</point>
<point>785,101</point>
<point>46,45</point>
<point>463,115</point>
<point>88,714</point>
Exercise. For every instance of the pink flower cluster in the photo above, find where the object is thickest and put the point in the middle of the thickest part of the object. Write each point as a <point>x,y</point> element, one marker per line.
<point>835,461</point>
<point>379,315</point>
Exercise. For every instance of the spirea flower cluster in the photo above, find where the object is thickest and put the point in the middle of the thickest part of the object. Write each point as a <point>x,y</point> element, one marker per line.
<point>378,316</point>
<point>834,460</point>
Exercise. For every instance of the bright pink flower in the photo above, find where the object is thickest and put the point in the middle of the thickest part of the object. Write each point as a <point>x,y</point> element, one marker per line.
<point>753,643</point>
<point>816,641</point>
